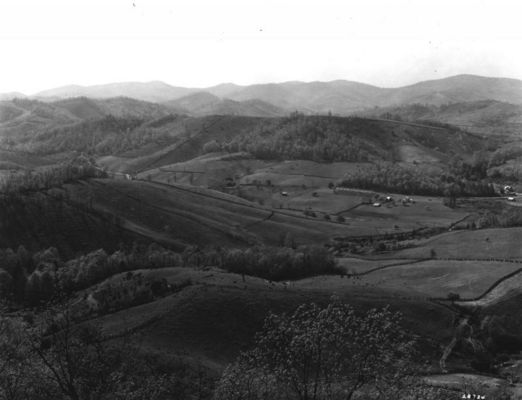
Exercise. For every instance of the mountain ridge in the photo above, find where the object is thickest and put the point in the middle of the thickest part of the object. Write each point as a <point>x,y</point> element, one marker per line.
<point>338,96</point>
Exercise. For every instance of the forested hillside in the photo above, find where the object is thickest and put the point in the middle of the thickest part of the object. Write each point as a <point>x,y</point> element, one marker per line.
<point>328,139</point>
<point>487,117</point>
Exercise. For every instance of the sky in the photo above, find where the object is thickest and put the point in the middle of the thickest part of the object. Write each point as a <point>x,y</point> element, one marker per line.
<point>199,43</point>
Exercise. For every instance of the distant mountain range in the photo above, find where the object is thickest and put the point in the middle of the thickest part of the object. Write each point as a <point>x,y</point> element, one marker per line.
<point>339,97</point>
<point>205,103</point>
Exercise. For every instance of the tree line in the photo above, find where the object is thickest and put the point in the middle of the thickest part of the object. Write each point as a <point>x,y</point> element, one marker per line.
<point>38,277</point>
<point>102,136</point>
<point>80,167</point>
<point>396,178</point>
<point>268,262</point>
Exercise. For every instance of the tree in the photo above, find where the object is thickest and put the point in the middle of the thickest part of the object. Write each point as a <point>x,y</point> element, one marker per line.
<point>211,147</point>
<point>453,297</point>
<point>32,289</point>
<point>16,362</point>
<point>78,363</point>
<point>321,353</point>
<point>289,241</point>
<point>46,286</point>
<point>6,284</point>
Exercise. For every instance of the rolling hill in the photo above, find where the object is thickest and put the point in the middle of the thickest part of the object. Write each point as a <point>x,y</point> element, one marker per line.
<point>485,116</point>
<point>136,136</point>
<point>90,213</point>
<point>86,215</point>
<point>148,157</point>
<point>280,138</point>
<point>22,120</point>
<point>220,307</point>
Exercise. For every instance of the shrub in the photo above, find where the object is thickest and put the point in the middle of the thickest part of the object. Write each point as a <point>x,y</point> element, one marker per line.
<point>324,353</point>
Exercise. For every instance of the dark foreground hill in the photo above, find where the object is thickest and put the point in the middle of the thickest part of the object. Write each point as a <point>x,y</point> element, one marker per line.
<point>220,308</point>
<point>103,213</point>
<point>47,219</point>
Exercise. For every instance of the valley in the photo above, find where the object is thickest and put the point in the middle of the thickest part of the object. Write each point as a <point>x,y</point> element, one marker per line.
<point>182,218</point>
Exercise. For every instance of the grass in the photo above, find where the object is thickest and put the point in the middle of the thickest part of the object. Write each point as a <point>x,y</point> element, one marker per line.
<point>358,265</point>
<point>195,215</point>
<point>427,212</point>
<point>437,278</point>
<point>200,216</point>
<point>220,308</point>
<point>324,201</point>
<point>216,168</point>
<point>476,384</point>
<point>503,292</point>
<point>306,183</point>
<point>501,243</point>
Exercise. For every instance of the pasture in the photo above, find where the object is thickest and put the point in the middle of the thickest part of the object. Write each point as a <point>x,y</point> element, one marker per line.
<point>438,278</point>
<point>504,291</point>
<point>221,306</point>
<point>499,243</point>
<point>432,278</point>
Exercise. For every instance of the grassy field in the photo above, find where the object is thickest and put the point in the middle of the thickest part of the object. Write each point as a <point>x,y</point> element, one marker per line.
<point>301,172</point>
<point>477,384</point>
<point>437,278</point>
<point>306,186</point>
<point>187,214</point>
<point>427,211</point>
<point>192,214</point>
<point>475,244</point>
<point>354,265</point>
<point>389,217</point>
<point>321,200</point>
<point>209,170</point>
<point>202,216</point>
<point>212,170</point>
<point>507,290</point>
<point>220,308</point>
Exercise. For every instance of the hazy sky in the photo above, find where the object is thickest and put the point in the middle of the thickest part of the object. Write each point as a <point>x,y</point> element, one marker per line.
<point>49,43</point>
